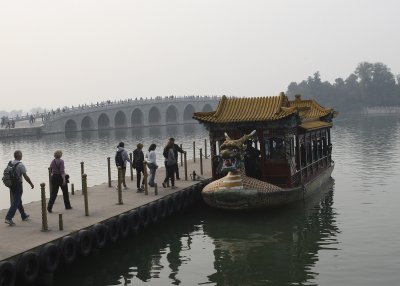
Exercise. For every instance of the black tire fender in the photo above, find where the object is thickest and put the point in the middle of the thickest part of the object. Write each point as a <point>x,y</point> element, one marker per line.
<point>7,273</point>
<point>123,225</point>
<point>144,216</point>
<point>49,258</point>
<point>178,202</point>
<point>113,230</point>
<point>28,267</point>
<point>134,221</point>
<point>99,234</point>
<point>162,206</point>
<point>170,205</point>
<point>85,242</point>
<point>68,249</point>
<point>154,212</point>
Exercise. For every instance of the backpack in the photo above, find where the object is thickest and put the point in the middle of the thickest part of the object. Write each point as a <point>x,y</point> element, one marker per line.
<point>10,177</point>
<point>119,162</point>
<point>137,162</point>
<point>171,160</point>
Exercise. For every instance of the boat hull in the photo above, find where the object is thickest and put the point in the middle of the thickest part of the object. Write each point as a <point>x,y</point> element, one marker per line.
<point>253,198</point>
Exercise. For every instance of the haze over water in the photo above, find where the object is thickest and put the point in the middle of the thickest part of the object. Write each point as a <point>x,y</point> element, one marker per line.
<point>346,236</point>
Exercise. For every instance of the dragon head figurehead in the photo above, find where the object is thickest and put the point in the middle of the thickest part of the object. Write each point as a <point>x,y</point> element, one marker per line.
<point>232,152</point>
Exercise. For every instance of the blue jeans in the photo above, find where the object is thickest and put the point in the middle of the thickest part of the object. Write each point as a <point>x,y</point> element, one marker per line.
<point>153,170</point>
<point>16,194</point>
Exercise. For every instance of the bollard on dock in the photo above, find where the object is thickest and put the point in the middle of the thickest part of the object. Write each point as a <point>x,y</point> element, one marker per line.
<point>181,156</point>
<point>194,151</point>
<point>146,187</point>
<point>44,209</point>
<point>131,157</point>
<point>185,161</point>
<point>205,148</point>
<point>72,189</point>
<point>60,222</point>
<point>82,168</point>
<point>85,194</point>
<point>155,189</point>
<point>201,161</point>
<point>109,172</point>
<point>119,186</point>
<point>49,181</point>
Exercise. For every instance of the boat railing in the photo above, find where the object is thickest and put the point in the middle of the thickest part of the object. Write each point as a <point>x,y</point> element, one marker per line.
<point>311,169</point>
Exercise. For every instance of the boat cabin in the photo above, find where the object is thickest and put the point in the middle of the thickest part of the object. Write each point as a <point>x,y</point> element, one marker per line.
<point>292,143</point>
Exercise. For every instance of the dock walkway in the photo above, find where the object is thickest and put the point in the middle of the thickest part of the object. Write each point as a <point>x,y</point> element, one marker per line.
<point>103,205</point>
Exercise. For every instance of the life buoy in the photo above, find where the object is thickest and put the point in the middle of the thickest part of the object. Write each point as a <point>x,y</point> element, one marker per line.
<point>144,216</point>
<point>28,267</point>
<point>154,212</point>
<point>49,257</point>
<point>123,225</point>
<point>170,205</point>
<point>85,242</point>
<point>134,221</point>
<point>68,249</point>
<point>7,273</point>
<point>162,206</point>
<point>113,230</point>
<point>99,233</point>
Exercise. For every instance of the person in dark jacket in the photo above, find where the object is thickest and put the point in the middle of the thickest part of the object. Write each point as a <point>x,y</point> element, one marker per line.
<point>138,159</point>
<point>170,162</point>
<point>121,157</point>
<point>176,149</point>
<point>58,180</point>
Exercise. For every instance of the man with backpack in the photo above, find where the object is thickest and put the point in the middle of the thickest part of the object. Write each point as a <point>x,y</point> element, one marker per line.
<point>121,157</point>
<point>16,170</point>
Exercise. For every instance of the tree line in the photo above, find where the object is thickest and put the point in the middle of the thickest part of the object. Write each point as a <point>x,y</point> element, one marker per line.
<point>371,84</point>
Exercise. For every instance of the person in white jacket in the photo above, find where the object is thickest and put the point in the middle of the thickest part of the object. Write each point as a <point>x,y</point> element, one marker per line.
<point>152,163</point>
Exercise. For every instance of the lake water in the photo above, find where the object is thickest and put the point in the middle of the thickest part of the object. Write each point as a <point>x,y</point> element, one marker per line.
<point>348,235</point>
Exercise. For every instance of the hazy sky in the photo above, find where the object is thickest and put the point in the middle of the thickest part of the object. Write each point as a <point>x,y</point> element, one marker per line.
<point>65,52</point>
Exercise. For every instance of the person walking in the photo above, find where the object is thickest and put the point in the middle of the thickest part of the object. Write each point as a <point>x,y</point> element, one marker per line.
<point>58,180</point>
<point>138,159</point>
<point>121,157</point>
<point>170,162</point>
<point>176,150</point>
<point>152,163</point>
<point>17,190</point>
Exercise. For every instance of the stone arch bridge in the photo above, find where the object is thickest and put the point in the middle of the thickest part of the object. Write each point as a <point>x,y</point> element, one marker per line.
<point>129,113</point>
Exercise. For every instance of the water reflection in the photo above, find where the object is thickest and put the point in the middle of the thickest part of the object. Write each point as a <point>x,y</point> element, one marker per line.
<point>277,247</point>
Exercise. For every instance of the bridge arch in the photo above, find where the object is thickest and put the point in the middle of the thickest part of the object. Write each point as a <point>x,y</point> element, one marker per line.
<point>188,112</point>
<point>207,108</point>
<point>137,117</point>
<point>71,125</point>
<point>120,119</point>
<point>103,121</point>
<point>171,115</point>
<point>154,115</point>
<point>87,123</point>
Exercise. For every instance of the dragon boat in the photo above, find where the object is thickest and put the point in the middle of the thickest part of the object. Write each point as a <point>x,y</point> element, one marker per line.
<point>282,154</point>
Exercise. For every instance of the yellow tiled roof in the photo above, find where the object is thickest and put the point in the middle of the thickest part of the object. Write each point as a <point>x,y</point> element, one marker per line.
<point>311,125</point>
<point>230,110</point>
<point>309,108</point>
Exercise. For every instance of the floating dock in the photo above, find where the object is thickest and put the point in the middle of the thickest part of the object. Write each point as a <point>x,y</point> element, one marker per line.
<point>26,250</point>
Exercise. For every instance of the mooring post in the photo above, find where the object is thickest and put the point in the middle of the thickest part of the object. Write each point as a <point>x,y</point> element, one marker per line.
<point>131,157</point>
<point>44,209</point>
<point>155,189</point>
<point>194,151</point>
<point>85,194</point>
<point>181,156</point>
<point>201,161</point>
<point>60,222</point>
<point>146,187</point>
<point>119,186</point>
<point>205,148</point>
<point>109,172</point>
<point>82,168</point>
<point>49,181</point>
<point>72,189</point>
<point>185,160</point>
